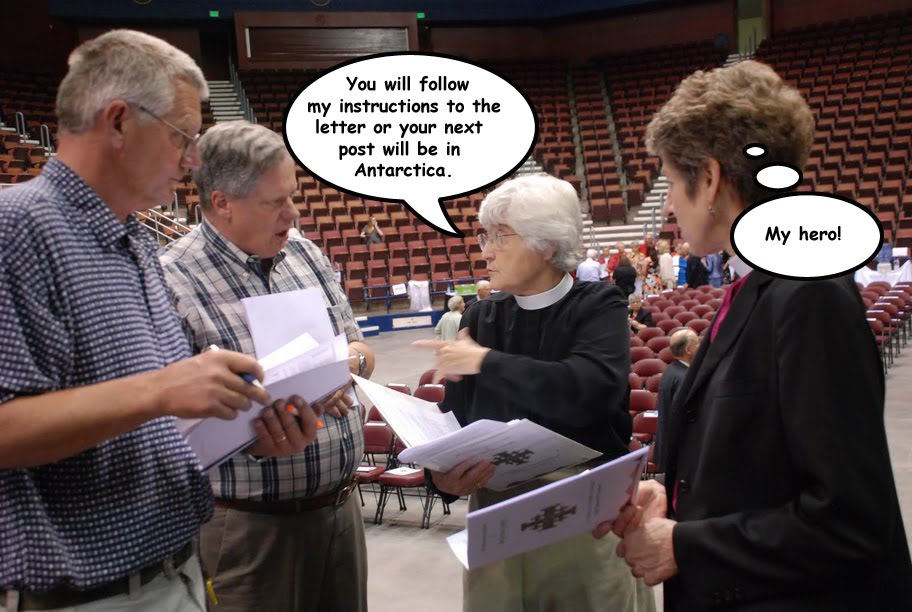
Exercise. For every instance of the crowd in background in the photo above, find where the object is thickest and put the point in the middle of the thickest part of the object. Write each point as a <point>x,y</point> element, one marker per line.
<point>650,267</point>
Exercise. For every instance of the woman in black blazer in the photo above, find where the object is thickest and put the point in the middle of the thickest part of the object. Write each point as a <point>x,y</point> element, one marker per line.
<point>779,492</point>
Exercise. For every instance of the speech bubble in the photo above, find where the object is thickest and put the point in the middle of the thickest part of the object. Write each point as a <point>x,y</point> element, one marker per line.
<point>415,128</point>
<point>805,236</point>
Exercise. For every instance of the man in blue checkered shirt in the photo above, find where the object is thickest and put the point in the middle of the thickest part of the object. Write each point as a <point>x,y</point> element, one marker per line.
<point>295,508</point>
<point>100,496</point>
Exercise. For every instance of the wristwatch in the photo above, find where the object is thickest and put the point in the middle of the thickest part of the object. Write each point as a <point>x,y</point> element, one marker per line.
<point>362,362</point>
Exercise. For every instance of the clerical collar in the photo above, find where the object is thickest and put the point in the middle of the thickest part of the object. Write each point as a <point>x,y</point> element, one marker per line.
<point>549,297</point>
<point>740,267</point>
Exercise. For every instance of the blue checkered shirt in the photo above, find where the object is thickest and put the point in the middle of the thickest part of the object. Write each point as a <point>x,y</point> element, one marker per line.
<point>209,276</point>
<point>82,301</point>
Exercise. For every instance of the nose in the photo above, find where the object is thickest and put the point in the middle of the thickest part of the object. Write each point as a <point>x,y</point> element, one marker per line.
<point>191,159</point>
<point>488,251</point>
<point>290,210</point>
<point>668,208</point>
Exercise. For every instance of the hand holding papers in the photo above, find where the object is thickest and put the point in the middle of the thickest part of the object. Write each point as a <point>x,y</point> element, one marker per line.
<point>521,450</point>
<point>550,514</point>
<point>312,364</point>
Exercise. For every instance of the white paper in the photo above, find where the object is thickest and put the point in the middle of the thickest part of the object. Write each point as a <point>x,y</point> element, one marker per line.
<point>521,450</point>
<point>277,318</point>
<point>294,349</point>
<point>310,361</point>
<point>414,420</point>
<point>550,514</point>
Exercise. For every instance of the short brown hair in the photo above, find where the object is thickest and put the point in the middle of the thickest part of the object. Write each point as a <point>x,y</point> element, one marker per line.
<point>718,113</point>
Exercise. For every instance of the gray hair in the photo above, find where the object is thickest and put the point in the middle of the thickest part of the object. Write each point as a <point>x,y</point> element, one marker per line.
<point>454,302</point>
<point>633,297</point>
<point>234,155</point>
<point>591,253</point>
<point>135,67</point>
<point>680,340</point>
<point>542,209</point>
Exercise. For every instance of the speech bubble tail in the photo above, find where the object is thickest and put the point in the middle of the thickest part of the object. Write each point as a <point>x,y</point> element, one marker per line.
<point>432,212</point>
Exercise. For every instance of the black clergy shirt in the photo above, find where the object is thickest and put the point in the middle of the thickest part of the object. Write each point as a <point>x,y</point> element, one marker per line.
<point>563,366</point>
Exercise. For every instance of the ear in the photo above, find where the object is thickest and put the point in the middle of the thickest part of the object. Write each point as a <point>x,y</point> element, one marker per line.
<point>219,204</point>
<point>709,180</point>
<point>112,119</point>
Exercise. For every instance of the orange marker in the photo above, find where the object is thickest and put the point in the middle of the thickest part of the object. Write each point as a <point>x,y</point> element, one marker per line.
<point>320,424</point>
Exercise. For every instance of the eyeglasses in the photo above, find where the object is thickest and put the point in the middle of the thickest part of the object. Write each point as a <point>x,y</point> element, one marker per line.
<point>496,239</point>
<point>190,142</point>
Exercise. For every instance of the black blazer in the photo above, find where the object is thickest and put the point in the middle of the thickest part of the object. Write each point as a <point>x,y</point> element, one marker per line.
<point>668,387</point>
<point>776,444</point>
<point>696,272</point>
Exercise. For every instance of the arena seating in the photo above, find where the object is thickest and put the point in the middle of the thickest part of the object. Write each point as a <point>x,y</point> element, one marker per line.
<point>855,76</point>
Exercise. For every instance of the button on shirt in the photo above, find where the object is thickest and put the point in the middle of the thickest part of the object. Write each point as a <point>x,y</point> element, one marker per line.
<point>210,276</point>
<point>82,301</point>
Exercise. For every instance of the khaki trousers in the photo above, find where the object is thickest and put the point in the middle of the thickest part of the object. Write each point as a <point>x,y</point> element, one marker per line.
<point>311,561</point>
<point>581,574</point>
<point>184,591</point>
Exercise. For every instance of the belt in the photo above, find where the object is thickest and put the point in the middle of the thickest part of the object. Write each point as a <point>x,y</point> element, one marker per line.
<point>64,597</point>
<point>291,506</point>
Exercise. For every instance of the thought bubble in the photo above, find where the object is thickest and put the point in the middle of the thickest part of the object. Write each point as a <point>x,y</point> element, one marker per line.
<point>416,128</point>
<point>806,236</point>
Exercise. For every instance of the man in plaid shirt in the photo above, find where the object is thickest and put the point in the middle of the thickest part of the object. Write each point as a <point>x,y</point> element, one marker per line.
<point>286,534</point>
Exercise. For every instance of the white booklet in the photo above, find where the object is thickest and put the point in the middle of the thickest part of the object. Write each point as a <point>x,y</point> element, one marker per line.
<point>301,355</point>
<point>550,514</point>
<point>521,450</point>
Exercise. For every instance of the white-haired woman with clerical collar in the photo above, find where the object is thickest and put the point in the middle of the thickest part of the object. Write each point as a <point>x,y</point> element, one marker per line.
<point>554,351</point>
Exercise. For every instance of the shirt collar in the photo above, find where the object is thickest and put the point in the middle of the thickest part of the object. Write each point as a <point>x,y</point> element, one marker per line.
<point>739,266</point>
<point>547,298</point>
<point>102,221</point>
<point>232,251</point>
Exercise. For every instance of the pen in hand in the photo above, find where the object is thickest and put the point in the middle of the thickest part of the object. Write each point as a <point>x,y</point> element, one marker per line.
<point>250,378</point>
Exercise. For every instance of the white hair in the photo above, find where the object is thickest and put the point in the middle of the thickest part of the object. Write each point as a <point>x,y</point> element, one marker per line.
<point>454,302</point>
<point>591,253</point>
<point>542,209</point>
<point>128,65</point>
<point>234,155</point>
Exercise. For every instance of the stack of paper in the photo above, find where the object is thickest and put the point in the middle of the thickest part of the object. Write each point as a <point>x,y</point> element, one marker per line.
<point>301,355</point>
<point>521,450</point>
<point>550,514</point>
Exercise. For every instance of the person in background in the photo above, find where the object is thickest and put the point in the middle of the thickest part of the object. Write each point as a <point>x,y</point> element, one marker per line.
<point>556,352</point>
<point>483,289</point>
<point>683,345</point>
<point>666,265</point>
<point>696,271</point>
<point>714,272</point>
<point>639,317</point>
<point>683,256</point>
<point>613,261</point>
<point>371,233</point>
<point>779,492</point>
<point>648,249</point>
<point>100,495</point>
<point>588,270</point>
<point>625,276</point>
<point>287,533</point>
<point>448,324</point>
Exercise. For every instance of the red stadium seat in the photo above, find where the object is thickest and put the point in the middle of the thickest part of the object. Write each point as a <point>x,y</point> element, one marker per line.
<point>649,333</point>
<point>648,367</point>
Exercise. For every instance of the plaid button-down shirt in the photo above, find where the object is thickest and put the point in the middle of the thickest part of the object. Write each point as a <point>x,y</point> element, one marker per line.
<point>209,276</point>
